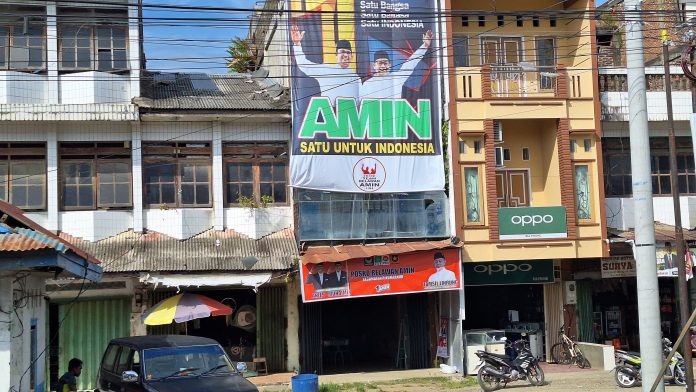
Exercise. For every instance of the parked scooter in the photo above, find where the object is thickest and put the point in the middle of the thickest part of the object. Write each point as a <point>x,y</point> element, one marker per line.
<point>496,371</point>
<point>628,367</point>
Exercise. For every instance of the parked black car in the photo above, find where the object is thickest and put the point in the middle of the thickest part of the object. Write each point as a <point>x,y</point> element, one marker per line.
<point>168,363</point>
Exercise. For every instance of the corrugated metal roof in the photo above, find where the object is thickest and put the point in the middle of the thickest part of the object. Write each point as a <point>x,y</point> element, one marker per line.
<point>182,91</point>
<point>320,254</point>
<point>208,251</point>
<point>23,234</point>
<point>663,233</point>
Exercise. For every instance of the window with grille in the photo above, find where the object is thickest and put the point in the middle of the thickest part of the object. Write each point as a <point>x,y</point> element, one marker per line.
<point>95,175</point>
<point>23,46</point>
<point>257,171</point>
<point>101,48</point>
<point>177,174</point>
<point>23,175</point>
<point>617,167</point>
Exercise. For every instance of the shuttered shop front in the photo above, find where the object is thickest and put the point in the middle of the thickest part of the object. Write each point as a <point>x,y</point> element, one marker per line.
<point>86,329</point>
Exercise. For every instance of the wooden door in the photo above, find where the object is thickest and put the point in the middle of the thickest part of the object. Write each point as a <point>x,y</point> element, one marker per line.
<point>512,188</point>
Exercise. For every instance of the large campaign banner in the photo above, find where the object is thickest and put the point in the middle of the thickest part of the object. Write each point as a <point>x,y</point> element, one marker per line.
<point>366,98</point>
<point>382,275</point>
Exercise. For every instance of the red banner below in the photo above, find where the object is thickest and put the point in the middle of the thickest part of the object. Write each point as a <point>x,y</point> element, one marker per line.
<point>382,275</point>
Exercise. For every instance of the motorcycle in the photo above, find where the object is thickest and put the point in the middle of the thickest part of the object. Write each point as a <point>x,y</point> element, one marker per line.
<point>496,371</point>
<point>627,370</point>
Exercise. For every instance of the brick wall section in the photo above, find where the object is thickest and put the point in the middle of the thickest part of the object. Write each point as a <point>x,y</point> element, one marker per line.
<point>566,172</point>
<point>666,16</point>
<point>562,88</point>
<point>490,181</point>
<point>486,89</point>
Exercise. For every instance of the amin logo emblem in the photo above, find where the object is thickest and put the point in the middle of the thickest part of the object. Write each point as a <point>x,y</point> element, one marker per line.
<point>369,174</point>
<point>380,288</point>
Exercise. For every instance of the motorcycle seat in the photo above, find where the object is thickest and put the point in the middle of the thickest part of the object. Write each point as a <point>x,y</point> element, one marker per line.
<point>501,356</point>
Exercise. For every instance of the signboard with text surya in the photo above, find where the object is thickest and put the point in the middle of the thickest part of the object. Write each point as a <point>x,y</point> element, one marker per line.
<point>522,223</point>
<point>365,96</point>
<point>382,275</point>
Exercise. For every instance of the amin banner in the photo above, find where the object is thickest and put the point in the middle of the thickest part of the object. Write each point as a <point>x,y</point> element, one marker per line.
<point>366,101</point>
<point>382,275</point>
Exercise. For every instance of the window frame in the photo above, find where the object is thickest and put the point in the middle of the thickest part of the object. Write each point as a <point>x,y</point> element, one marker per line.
<point>11,44</point>
<point>95,157</point>
<point>481,201</point>
<point>590,204</point>
<point>178,152</point>
<point>256,162</point>
<point>94,47</point>
<point>464,39</point>
<point>10,150</point>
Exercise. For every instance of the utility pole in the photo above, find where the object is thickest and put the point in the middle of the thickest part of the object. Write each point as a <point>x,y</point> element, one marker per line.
<point>644,247</point>
<point>678,233</point>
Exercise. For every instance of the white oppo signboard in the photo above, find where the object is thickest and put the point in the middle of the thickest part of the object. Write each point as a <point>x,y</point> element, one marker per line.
<point>618,267</point>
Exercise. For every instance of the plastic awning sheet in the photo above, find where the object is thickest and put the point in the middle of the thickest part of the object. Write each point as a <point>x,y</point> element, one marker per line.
<point>253,280</point>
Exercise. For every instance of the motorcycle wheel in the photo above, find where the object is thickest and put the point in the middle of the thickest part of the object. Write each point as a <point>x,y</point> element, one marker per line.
<point>624,379</point>
<point>487,381</point>
<point>536,375</point>
<point>679,375</point>
<point>560,354</point>
<point>580,359</point>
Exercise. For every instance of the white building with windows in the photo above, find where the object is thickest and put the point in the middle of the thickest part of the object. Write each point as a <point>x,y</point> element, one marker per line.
<point>178,181</point>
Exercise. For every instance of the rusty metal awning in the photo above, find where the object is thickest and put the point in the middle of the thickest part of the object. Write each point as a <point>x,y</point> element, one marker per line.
<point>320,254</point>
<point>663,233</point>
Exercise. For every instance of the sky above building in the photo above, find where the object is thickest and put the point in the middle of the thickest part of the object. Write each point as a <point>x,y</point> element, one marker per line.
<point>192,40</point>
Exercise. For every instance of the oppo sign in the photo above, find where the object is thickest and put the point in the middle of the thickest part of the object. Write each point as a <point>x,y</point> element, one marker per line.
<point>533,220</point>
<point>508,272</point>
<point>491,269</point>
<point>525,223</point>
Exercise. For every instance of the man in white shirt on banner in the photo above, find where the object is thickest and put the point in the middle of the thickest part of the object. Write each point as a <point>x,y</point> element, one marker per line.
<point>442,275</point>
<point>387,84</point>
<point>335,80</point>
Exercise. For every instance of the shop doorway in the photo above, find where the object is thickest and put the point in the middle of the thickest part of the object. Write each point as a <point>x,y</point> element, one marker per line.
<point>490,306</point>
<point>366,334</point>
<point>239,340</point>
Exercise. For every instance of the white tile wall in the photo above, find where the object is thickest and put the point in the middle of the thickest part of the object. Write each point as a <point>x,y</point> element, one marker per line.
<point>23,88</point>
<point>177,131</point>
<point>620,211</point>
<point>258,222</point>
<point>95,87</point>
<point>248,131</point>
<point>95,225</point>
<point>179,222</point>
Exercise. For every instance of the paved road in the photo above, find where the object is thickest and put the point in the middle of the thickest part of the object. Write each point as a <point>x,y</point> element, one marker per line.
<point>586,381</point>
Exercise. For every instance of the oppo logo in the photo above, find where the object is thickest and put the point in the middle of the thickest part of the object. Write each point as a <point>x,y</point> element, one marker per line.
<point>533,220</point>
<point>504,268</point>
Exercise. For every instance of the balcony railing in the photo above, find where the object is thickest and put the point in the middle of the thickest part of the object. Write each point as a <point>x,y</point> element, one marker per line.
<point>516,81</point>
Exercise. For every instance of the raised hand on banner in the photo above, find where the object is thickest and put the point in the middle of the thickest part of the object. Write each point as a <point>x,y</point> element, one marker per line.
<point>296,35</point>
<point>427,39</point>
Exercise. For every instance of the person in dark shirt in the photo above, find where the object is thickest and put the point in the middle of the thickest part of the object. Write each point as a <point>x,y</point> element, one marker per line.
<point>68,381</point>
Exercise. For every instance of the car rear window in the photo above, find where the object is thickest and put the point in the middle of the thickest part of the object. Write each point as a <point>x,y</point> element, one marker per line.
<point>110,357</point>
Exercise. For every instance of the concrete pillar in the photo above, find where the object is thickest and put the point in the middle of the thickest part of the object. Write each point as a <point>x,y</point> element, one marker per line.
<point>5,333</point>
<point>136,159</point>
<point>52,55</point>
<point>452,307</point>
<point>53,222</point>
<point>218,202</point>
<point>292,333</point>
<point>134,47</point>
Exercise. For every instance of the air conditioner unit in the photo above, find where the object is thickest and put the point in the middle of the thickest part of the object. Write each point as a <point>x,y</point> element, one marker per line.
<point>497,132</point>
<point>499,157</point>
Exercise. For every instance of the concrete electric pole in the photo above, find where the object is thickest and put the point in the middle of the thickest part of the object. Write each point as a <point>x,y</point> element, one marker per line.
<point>683,291</point>
<point>644,247</point>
